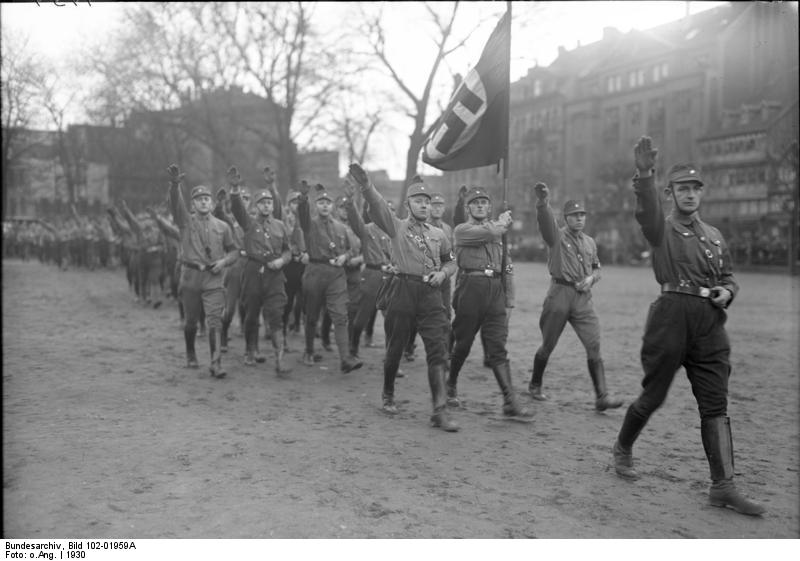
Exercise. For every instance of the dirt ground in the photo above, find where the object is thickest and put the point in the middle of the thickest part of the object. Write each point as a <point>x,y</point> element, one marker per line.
<point>106,434</point>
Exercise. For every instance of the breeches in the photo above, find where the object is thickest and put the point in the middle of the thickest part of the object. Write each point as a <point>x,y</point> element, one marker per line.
<point>684,330</point>
<point>263,289</point>
<point>480,303</point>
<point>202,291</point>
<point>565,304</point>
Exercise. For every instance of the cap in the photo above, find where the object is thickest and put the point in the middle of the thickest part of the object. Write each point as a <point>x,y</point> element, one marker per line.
<point>201,190</point>
<point>322,193</point>
<point>341,199</point>
<point>292,195</point>
<point>572,206</point>
<point>476,193</point>
<point>417,187</point>
<point>684,172</point>
<point>437,198</point>
<point>262,195</point>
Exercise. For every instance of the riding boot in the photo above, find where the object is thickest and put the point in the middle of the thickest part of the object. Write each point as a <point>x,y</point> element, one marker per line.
<point>189,335</point>
<point>224,346</point>
<point>250,341</point>
<point>718,444</point>
<point>280,367</point>
<point>597,373</point>
<point>214,340</point>
<point>535,387</point>
<point>348,362</point>
<point>632,425</point>
<point>440,418</point>
<point>511,408</point>
<point>456,363</point>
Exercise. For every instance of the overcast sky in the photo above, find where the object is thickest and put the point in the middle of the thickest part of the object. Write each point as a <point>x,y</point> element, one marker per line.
<point>56,30</point>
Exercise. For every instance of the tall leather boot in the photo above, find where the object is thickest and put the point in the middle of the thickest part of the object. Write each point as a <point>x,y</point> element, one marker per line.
<point>355,340</point>
<point>348,363</point>
<point>598,375</point>
<point>281,369</point>
<point>440,418</point>
<point>388,389</point>
<point>250,341</point>
<point>214,340</point>
<point>718,444</point>
<point>511,408</point>
<point>632,425</point>
<point>456,363</point>
<point>535,387</point>
<point>224,339</point>
<point>189,335</point>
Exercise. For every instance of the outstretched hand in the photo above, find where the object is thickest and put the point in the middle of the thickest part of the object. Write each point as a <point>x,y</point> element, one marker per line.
<point>233,177</point>
<point>269,176</point>
<point>462,192</point>
<point>542,191</point>
<point>644,154</point>
<point>359,175</point>
<point>304,187</point>
<point>175,175</point>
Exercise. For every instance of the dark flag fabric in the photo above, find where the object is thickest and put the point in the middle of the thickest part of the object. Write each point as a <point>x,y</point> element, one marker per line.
<point>473,130</point>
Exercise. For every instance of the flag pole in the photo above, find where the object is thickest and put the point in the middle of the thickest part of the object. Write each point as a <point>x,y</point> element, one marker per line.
<point>504,258</point>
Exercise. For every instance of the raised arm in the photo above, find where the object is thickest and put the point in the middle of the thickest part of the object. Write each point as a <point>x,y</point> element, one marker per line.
<point>460,212</point>
<point>277,203</point>
<point>176,203</point>
<point>545,218</point>
<point>131,219</point>
<point>303,210</point>
<point>649,213</point>
<point>380,212</point>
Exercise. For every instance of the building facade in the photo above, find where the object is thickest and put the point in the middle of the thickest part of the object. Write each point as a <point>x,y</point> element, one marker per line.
<point>573,123</point>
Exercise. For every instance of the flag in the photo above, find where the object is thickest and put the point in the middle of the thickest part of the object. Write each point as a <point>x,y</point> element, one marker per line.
<point>473,130</point>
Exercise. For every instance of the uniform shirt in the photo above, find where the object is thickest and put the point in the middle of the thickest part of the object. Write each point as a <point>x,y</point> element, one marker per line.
<point>479,245</point>
<point>375,244</point>
<point>445,227</point>
<point>265,238</point>
<point>686,250</point>
<point>572,255</point>
<point>325,238</point>
<point>200,233</point>
<point>417,248</point>
<point>236,229</point>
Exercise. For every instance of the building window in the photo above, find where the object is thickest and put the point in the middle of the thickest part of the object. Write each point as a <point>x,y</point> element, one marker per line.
<point>614,84</point>
<point>537,88</point>
<point>611,124</point>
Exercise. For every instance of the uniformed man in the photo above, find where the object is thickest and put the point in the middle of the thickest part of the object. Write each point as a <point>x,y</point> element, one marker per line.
<point>293,271</point>
<point>266,245</point>
<point>233,274</point>
<point>207,247</point>
<point>377,251</point>
<point>324,280</point>
<point>686,324</point>
<point>480,301</point>
<point>574,269</point>
<point>424,260</point>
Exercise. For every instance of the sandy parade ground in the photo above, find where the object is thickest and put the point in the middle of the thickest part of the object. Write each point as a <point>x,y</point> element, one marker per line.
<point>107,435</point>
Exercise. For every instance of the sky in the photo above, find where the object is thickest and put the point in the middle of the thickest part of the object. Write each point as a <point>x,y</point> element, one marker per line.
<point>56,30</point>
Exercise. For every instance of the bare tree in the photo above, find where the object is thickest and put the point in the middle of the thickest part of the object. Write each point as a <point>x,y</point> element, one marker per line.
<point>444,44</point>
<point>21,75</point>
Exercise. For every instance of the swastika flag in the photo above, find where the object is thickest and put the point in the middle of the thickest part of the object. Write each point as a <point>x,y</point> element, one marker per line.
<point>473,130</point>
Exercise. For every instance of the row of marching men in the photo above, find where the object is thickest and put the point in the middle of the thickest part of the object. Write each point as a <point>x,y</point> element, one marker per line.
<point>357,257</point>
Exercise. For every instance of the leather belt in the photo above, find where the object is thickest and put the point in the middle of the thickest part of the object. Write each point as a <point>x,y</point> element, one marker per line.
<point>404,276</point>
<point>257,260</point>
<point>489,273</point>
<point>563,282</point>
<point>374,267</point>
<point>701,291</point>
<point>196,266</point>
<point>319,261</point>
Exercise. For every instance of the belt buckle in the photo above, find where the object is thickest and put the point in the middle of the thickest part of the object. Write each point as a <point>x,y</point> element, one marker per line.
<point>488,272</point>
<point>705,292</point>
